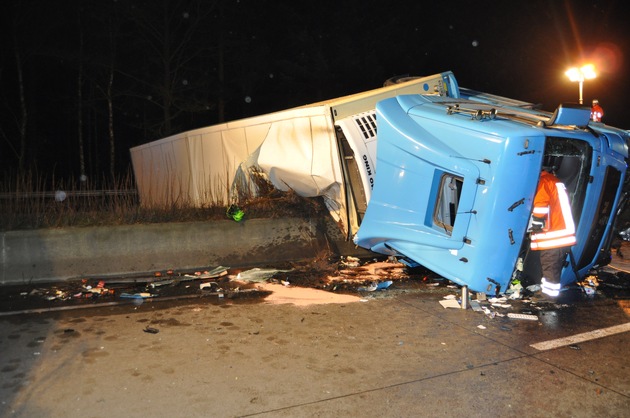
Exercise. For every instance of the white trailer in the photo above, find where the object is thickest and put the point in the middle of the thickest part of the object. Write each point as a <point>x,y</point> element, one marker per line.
<point>310,149</point>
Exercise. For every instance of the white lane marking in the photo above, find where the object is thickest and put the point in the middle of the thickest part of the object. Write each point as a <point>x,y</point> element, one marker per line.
<point>579,338</point>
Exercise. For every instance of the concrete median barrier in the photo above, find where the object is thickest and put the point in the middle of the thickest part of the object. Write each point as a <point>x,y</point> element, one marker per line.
<point>67,253</point>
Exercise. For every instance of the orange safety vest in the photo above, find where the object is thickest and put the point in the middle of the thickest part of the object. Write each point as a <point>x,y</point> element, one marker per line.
<point>552,203</point>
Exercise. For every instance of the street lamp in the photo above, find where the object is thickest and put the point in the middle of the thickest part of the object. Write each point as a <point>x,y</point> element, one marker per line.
<point>586,72</point>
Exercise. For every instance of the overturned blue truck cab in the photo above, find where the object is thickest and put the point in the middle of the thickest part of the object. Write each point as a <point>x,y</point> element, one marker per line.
<point>421,169</point>
<point>456,176</point>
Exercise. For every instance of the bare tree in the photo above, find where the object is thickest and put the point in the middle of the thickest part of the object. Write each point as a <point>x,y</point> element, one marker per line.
<point>30,55</point>
<point>110,101</point>
<point>21,117</point>
<point>80,96</point>
<point>98,69</point>
<point>170,77</point>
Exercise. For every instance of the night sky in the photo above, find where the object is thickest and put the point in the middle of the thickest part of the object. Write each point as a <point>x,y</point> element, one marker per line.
<point>166,66</point>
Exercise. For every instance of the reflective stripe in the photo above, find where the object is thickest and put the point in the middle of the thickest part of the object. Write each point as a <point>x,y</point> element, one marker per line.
<point>554,243</point>
<point>550,285</point>
<point>566,207</point>
<point>550,292</point>
<point>548,288</point>
<point>558,238</point>
<point>541,211</point>
<point>553,234</point>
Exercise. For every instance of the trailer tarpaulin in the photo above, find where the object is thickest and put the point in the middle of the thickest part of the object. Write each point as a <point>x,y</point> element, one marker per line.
<point>296,149</point>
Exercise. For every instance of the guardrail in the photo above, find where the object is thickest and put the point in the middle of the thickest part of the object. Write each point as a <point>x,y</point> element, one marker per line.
<point>63,194</point>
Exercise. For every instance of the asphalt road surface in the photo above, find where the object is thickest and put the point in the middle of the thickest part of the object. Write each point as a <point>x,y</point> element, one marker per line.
<point>394,352</point>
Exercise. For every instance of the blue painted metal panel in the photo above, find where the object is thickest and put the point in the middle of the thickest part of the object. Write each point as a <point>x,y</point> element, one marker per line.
<point>491,149</point>
<point>603,197</point>
<point>499,162</point>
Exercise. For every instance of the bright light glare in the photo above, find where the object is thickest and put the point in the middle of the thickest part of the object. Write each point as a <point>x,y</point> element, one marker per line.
<point>586,72</point>
<point>573,74</point>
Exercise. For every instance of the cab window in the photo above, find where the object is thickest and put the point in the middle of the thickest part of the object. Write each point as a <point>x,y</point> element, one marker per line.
<point>448,199</point>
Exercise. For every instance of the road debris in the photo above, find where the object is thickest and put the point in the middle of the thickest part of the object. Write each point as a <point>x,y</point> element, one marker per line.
<point>302,296</point>
<point>210,286</point>
<point>350,262</point>
<point>257,274</point>
<point>515,290</point>
<point>235,213</point>
<point>162,283</point>
<point>513,315</point>
<point>475,305</point>
<point>589,285</point>
<point>142,295</point>
<point>450,301</point>
<point>370,288</point>
<point>367,278</point>
<point>208,274</point>
<point>376,286</point>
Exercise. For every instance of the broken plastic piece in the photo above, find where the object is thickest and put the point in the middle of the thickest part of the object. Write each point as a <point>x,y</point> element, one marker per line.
<point>209,286</point>
<point>488,312</point>
<point>522,316</point>
<point>370,288</point>
<point>476,306</point>
<point>514,291</point>
<point>235,213</point>
<point>258,274</point>
<point>384,285</point>
<point>450,303</point>
<point>161,283</point>
<point>215,272</point>
<point>515,295</point>
<point>142,295</point>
